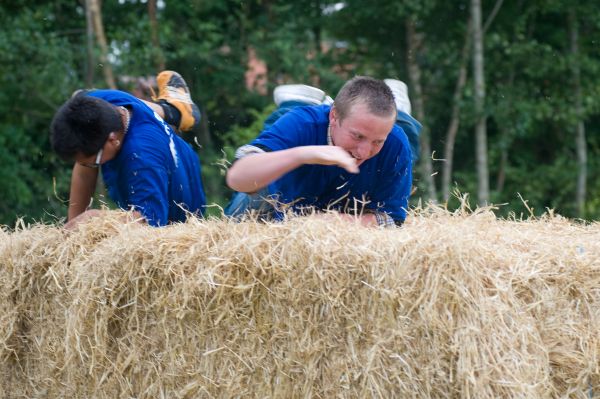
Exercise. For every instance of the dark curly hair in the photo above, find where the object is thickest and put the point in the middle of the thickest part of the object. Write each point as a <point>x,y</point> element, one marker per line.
<point>82,125</point>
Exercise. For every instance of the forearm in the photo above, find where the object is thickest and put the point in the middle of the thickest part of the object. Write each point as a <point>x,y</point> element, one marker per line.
<point>83,185</point>
<point>253,172</point>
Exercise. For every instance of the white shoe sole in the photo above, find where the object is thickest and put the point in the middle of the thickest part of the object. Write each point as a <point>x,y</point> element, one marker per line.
<point>400,92</point>
<point>300,93</point>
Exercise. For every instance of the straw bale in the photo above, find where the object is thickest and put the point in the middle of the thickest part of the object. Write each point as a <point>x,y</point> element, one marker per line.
<point>450,306</point>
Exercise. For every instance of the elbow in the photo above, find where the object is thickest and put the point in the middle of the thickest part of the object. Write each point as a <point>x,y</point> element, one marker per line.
<point>232,180</point>
<point>237,181</point>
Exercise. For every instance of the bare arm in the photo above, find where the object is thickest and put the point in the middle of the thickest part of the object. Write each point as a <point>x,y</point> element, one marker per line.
<point>253,172</point>
<point>83,185</point>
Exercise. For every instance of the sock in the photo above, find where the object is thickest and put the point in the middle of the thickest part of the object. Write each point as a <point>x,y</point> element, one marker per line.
<point>172,114</point>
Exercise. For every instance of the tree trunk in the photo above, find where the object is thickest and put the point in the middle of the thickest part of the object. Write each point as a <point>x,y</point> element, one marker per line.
<point>89,34</point>
<point>101,38</point>
<point>580,139</point>
<point>483,190</point>
<point>159,58</point>
<point>414,46</point>
<point>317,30</point>
<point>455,115</point>
<point>505,136</point>
<point>454,124</point>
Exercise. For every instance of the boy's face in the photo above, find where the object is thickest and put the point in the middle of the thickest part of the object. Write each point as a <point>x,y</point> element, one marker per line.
<point>93,161</point>
<point>108,151</point>
<point>361,133</point>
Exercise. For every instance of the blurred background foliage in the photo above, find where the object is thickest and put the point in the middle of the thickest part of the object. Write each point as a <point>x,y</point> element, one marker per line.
<point>535,101</point>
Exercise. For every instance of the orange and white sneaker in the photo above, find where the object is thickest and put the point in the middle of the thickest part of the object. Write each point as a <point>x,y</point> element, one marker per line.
<point>173,89</point>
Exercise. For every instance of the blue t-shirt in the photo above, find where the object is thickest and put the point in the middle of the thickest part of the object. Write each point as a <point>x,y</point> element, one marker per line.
<point>383,183</point>
<point>155,172</point>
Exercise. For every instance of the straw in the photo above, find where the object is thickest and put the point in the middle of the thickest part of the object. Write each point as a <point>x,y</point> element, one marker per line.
<point>451,305</point>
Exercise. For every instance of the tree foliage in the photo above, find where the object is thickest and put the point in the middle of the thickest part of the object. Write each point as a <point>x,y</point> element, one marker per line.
<point>530,102</point>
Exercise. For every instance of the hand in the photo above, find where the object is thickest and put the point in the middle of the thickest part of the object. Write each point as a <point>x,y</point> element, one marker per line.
<point>133,216</point>
<point>365,219</point>
<point>81,218</point>
<point>329,155</point>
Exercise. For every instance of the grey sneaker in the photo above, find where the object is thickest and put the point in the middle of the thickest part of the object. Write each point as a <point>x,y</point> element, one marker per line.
<point>400,92</point>
<point>300,93</point>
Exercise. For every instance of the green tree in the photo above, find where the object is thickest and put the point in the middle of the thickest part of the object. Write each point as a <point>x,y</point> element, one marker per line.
<point>36,68</point>
<point>532,105</point>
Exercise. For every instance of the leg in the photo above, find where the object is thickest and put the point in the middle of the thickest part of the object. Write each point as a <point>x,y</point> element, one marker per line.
<point>175,99</point>
<point>410,125</point>
<point>287,97</point>
<point>243,203</point>
<point>412,128</point>
<point>156,108</point>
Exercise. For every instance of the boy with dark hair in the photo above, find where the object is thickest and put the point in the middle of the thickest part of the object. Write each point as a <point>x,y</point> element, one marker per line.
<point>145,165</point>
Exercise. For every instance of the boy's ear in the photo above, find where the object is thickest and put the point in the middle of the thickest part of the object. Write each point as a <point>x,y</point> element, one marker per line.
<point>332,114</point>
<point>112,138</point>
